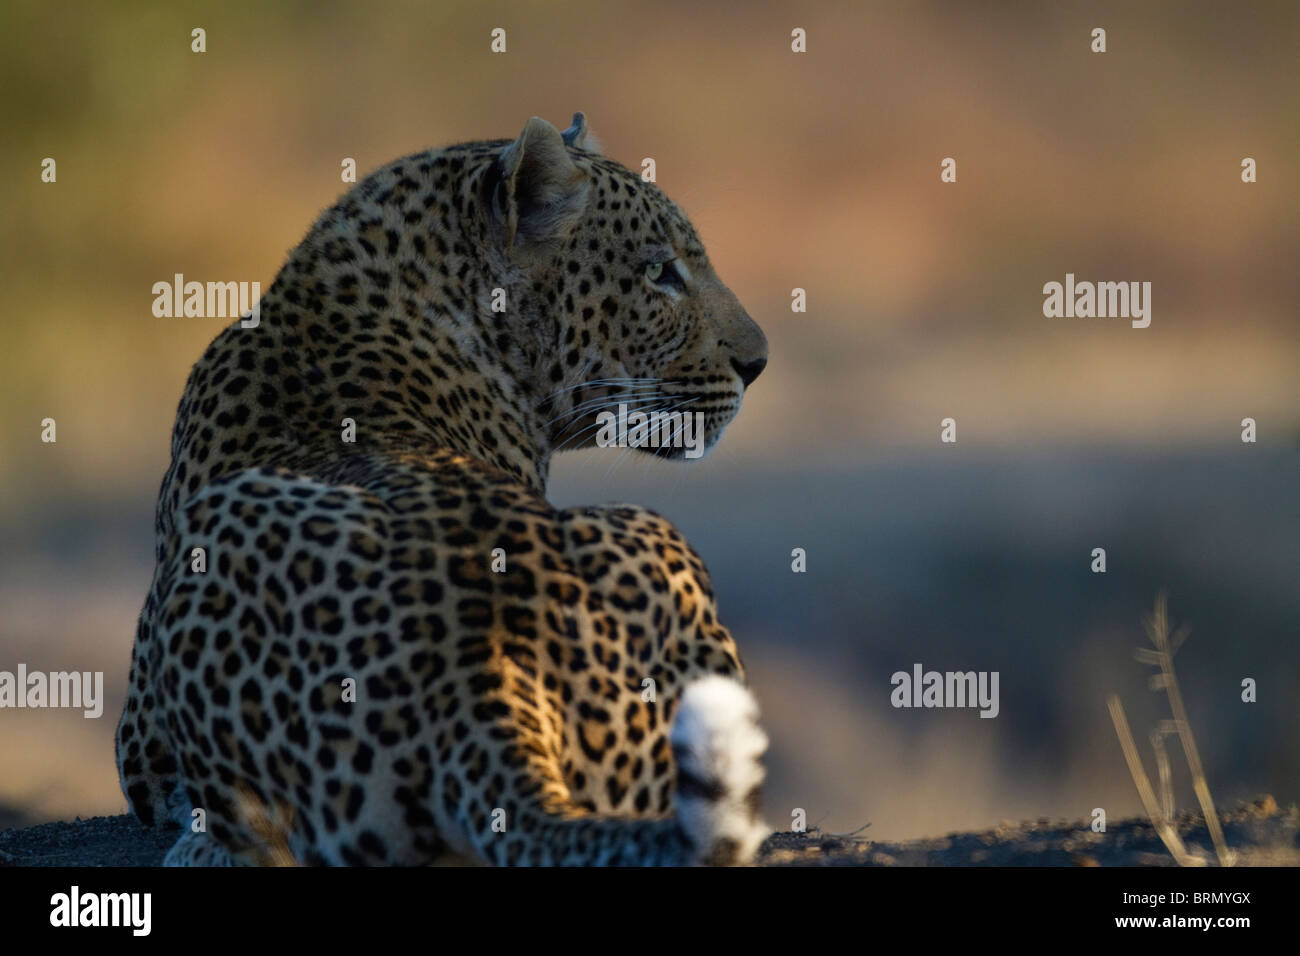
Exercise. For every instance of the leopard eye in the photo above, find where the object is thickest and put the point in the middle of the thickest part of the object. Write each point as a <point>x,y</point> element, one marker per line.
<point>665,275</point>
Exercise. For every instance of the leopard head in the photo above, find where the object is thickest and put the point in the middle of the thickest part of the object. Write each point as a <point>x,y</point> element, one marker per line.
<point>620,305</point>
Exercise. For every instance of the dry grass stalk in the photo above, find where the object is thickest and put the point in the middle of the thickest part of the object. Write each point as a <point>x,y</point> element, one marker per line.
<point>1161,655</point>
<point>1164,826</point>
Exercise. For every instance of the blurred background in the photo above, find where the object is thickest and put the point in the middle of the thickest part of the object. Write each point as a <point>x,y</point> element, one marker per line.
<point>818,171</point>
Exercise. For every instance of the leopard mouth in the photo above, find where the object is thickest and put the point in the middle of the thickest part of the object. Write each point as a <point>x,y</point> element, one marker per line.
<point>694,440</point>
<point>667,418</point>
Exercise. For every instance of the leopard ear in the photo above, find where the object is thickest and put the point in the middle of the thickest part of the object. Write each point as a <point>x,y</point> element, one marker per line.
<point>542,192</point>
<point>576,134</point>
<point>580,135</point>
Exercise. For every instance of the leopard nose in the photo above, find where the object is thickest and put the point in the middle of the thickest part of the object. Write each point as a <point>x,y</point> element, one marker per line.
<point>748,371</point>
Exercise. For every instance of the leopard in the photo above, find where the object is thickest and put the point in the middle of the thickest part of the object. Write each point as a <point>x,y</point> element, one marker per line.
<point>369,638</point>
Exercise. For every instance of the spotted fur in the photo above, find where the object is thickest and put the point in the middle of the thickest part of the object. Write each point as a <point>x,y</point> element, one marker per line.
<point>498,715</point>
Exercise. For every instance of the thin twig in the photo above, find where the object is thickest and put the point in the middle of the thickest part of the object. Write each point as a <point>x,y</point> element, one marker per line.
<point>852,834</point>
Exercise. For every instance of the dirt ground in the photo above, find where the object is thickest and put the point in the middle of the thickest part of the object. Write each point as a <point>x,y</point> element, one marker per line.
<point>1260,832</point>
